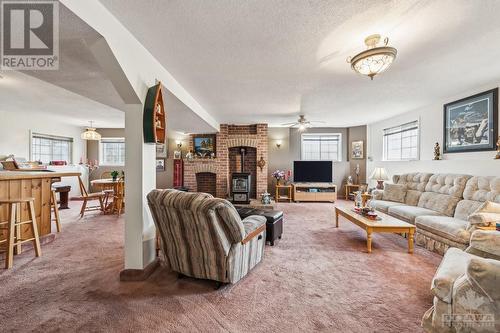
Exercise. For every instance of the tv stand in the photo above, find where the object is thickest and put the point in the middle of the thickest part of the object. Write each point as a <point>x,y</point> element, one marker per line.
<point>314,192</point>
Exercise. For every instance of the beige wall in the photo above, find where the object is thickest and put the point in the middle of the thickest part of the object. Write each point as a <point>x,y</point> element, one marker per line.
<point>93,151</point>
<point>17,124</point>
<point>431,131</point>
<point>282,158</point>
<point>165,179</point>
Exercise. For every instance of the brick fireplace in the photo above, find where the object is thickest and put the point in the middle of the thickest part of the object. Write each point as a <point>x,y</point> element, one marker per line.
<point>213,175</point>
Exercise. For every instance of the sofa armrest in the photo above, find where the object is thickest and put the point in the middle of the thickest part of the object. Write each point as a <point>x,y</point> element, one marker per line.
<point>254,225</point>
<point>485,274</point>
<point>485,243</point>
<point>377,194</point>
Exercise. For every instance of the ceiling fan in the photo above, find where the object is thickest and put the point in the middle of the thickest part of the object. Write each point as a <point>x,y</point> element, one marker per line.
<point>302,123</point>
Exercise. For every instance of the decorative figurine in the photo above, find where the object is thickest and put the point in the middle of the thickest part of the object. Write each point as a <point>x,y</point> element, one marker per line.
<point>266,198</point>
<point>437,152</point>
<point>189,156</point>
<point>349,180</point>
<point>497,157</point>
<point>357,170</point>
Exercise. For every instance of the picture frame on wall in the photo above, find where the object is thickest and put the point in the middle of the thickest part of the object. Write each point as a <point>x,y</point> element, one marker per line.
<point>357,152</point>
<point>471,124</point>
<point>204,145</point>
<point>160,164</point>
<point>161,150</point>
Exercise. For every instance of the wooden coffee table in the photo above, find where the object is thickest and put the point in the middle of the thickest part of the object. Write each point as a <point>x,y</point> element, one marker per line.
<point>386,224</point>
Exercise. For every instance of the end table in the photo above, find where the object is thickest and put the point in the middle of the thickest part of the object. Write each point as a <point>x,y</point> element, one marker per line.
<point>287,189</point>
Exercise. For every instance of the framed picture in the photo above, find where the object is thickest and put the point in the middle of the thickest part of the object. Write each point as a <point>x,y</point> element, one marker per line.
<point>160,164</point>
<point>177,154</point>
<point>161,150</point>
<point>204,145</point>
<point>471,124</point>
<point>357,150</point>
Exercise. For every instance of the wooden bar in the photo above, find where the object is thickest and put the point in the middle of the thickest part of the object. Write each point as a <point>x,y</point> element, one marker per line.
<point>26,184</point>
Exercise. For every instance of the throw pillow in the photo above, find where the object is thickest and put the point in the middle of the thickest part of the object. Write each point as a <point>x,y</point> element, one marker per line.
<point>487,214</point>
<point>394,192</point>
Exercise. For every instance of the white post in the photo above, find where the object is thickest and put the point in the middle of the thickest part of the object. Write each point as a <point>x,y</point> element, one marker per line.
<point>140,179</point>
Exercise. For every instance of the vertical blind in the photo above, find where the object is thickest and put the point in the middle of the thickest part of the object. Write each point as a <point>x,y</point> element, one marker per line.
<point>46,148</point>
<point>321,147</point>
<point>401,142</point>
<point>112,151</point>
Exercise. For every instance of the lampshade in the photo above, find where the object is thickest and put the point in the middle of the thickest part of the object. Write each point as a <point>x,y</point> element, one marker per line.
<point>375,59</point>
<point>91,134</point>
<point>379,174</point>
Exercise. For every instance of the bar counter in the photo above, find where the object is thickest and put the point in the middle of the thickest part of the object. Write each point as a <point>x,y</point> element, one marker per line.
<point>30,184</point>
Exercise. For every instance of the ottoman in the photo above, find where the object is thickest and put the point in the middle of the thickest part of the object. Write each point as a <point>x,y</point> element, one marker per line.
<point>274,223</point>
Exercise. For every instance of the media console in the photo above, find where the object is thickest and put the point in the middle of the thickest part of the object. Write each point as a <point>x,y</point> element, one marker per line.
<point>314,192</point>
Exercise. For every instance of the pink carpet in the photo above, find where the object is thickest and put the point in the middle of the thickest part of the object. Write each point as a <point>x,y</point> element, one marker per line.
<point>317,278</point>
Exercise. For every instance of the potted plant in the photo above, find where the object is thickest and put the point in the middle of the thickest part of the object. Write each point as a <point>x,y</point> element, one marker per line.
<point>279,175</point>
<point>114,175</point>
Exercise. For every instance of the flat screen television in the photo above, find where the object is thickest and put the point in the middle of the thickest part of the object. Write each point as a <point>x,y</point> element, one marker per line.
<point>312,171</point>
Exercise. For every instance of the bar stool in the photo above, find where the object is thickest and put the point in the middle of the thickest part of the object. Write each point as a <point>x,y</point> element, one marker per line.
<point>53,207</point>
<point>14,228</point>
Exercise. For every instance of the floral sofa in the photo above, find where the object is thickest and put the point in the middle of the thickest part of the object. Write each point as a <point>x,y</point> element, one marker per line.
<point>440,205</point>
<point>465,288</point>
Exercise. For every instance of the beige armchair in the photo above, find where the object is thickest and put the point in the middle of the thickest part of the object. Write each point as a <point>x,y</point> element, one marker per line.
<point>466,288</point>
<point>204,237</point>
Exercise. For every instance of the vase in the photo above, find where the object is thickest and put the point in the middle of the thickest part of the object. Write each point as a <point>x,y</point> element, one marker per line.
<point>278,182</point>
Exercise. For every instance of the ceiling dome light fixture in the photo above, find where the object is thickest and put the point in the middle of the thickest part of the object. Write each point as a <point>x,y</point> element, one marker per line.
<point>375,59</point>
<point>91,134</point>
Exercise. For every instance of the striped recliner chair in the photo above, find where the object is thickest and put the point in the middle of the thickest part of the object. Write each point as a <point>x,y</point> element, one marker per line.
<point>204,237</point>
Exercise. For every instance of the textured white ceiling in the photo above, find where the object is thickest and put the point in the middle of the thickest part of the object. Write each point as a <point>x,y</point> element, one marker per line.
<point>269,60</point>
<point>80,90</point>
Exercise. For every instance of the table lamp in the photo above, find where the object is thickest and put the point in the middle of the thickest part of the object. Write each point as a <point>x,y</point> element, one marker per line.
<point>379,174</point>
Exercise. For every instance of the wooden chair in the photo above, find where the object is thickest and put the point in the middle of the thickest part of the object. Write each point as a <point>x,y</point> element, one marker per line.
<point>109,193</point>
<point>119,196</point>
<point>55,209</point>
<point>13,227</point>
<point>86,197</point>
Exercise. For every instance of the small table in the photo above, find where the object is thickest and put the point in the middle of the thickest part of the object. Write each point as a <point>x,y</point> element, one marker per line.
<point>386,224</point>
<point>287,196</point>
<point>108,184</point>
<point>349,188</point>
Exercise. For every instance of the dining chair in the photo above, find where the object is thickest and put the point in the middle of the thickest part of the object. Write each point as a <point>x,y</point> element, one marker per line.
<point>86,197</point>
<point>119,196</point>
<point>108,192</point>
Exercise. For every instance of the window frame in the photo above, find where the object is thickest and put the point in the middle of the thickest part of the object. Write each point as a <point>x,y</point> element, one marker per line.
<point>101,150</point>
<point>34,135</point>
<point>401,126</point>
<point>339,146</point>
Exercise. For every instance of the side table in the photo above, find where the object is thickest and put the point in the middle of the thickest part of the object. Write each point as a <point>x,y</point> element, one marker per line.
<point>288,193</point>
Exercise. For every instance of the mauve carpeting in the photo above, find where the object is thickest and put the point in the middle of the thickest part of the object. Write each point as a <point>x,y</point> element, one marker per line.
<point>317,278</point>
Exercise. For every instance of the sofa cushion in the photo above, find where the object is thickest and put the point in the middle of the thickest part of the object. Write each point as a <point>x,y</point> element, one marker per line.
<point>444,226</point>
<point>442,203</point>
<point>415,185</point>
<point>453,265</point>
<point>477,190</point>
<point>449,184</point>
<point>383,205</point>
<point>394,192</point>
<point>487,214</point>
<point>409,213</point>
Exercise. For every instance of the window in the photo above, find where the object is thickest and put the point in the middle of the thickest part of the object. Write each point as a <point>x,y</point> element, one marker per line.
<point>46,148</point>
<point>401,142</point>
<point>322,146</point>
<point>112,151</point>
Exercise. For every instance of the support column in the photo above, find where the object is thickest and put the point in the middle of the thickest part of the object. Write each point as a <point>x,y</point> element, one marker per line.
<point>140,179</point>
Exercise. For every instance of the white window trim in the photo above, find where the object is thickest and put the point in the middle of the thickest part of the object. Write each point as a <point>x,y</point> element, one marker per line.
<point>101,153</point>
<point>339,154</point>
<point>62,138</point>
<point>384,148</point>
